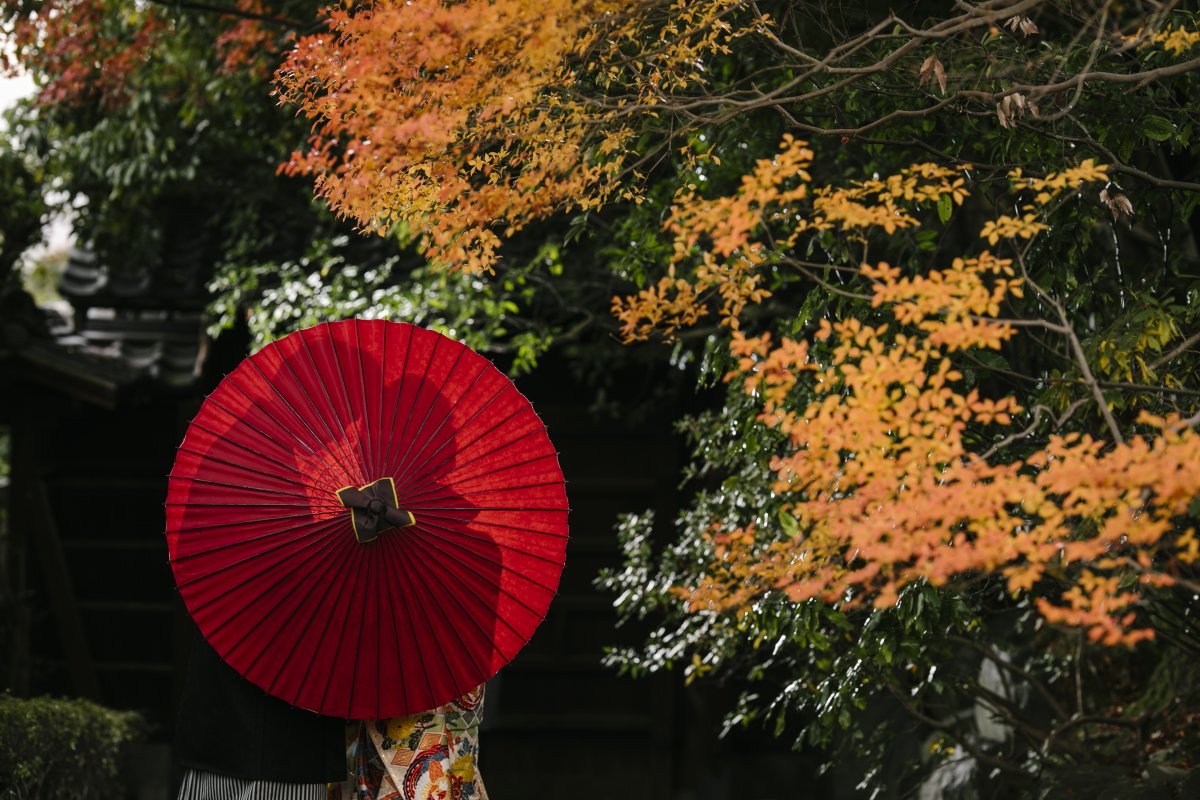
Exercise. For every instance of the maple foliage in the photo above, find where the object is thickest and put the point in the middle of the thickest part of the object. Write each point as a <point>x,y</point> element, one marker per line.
<point>464,119</point>
<point>879,480</point>
<point>85,51</point>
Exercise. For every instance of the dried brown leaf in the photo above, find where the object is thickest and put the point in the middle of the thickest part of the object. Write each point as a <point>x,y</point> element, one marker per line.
<point>1118,204</point>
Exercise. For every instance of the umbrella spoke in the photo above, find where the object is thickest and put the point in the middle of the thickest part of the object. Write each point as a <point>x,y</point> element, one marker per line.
<point>421,468</point>
<point>307,625</point>
<point>466,533</point>
<point>300,478</point>
<point>558,510</point>
<point>311,563</point>
<point>449,565</point>
<point>341,373</point>
<point>307,529</point>
<point>446,596</point>
<point>434,543</point>
<point>457,486</point>
<point>455,495</point>
<point>306,497</point>
<point>420,611</point>
<point>243,424</point>
<point>416,395</point>
<point>339,429</point>
<point>466,551</point>
<point>387,456</point>
<point>337,439</point>
<point>446,413</point>
<point>283,575</point>
<point>436,475</point>
<point>230,523</point>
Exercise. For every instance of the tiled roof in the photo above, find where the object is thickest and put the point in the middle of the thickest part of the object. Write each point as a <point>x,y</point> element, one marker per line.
<point>125,328</point>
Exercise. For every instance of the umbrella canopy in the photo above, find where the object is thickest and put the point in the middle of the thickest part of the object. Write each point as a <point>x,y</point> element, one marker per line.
<point>366,519</point>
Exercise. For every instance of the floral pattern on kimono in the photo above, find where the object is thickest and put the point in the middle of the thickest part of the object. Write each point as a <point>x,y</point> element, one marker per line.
<point>427,756</point>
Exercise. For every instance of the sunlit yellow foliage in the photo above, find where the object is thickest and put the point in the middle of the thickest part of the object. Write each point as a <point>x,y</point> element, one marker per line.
<point>720,239</point>
<point>883,474</point>
<point>1006,227</point>
<point>1175,40</point>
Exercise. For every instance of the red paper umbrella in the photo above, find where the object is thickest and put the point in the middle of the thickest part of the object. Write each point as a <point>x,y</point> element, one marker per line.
<point>367,519</point>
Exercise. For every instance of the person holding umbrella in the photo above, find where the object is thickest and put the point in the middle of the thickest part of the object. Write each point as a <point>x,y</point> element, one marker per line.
<point>366,520</point>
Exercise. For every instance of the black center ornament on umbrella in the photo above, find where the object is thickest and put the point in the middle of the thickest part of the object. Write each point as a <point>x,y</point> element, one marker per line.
<point>374,509</point>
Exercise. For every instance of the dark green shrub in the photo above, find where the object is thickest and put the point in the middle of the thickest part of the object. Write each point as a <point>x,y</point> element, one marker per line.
<point>51,748</point>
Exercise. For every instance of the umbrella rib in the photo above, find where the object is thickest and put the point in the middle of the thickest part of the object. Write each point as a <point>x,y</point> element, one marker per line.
<point>341,575</point>
<point>446,593</point>
<point>362,612</point>
<point>312,617</point>
<point>438,394</point>
<point>433,542</point>
<point>338,440</point>
<point>265,490</point>
<point>378,452</point>
<point>415,575</point>
<point>412,406</point>
<point>345,395</point>
<point>307,527</point>
<point>552,534</point>
<point>231,379</point>
<point>462,448</point>
<point>299,479</point>
<point>234,524</point>
<point>254,363</point>
<point>362,382</point>
<point>198,504</point>
<point>466,534</point>
<point>466,423</point>
<point>244,581</point>
<point>319,468</point>
<point>524,577</point>
<point>318,535</point>
<point>411,496</point>
<point>354,557</point>
<point>223,439</point>
<point>392,607</point>
<point>438,588</point>
<point>416,396</point>
<point>310,562</point>
<point>403,587</point>
<point>338,435</point>
<point>387,456</point>
<point>433,475</point>
<point>456,495</point>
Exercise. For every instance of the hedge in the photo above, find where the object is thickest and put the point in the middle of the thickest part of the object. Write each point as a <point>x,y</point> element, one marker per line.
<point>58,748</point>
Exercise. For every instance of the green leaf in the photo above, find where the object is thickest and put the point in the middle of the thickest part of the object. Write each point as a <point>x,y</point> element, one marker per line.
<point>944,207</point>
<point>789,524</point>
<point>1158,128</point>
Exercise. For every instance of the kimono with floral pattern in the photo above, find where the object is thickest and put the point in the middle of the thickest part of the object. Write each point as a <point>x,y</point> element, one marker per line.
<point>427,756</point>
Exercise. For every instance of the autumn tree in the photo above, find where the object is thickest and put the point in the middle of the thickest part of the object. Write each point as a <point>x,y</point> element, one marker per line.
<point>939,260</point>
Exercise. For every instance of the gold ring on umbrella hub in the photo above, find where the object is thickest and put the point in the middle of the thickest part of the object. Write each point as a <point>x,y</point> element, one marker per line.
<point>374,509</point>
